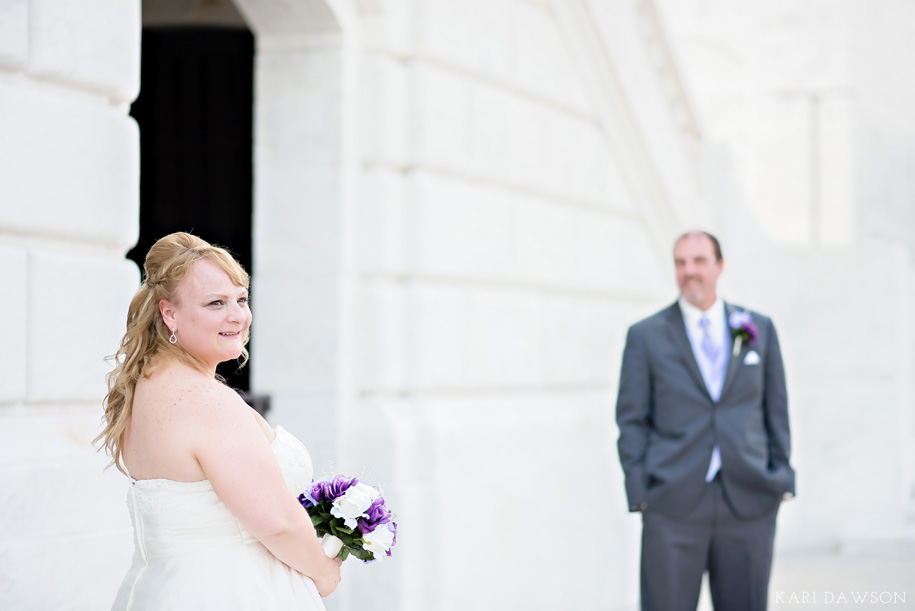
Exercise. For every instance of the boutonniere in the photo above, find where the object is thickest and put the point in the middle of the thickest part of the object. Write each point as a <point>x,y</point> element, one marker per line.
<point>743,329</point>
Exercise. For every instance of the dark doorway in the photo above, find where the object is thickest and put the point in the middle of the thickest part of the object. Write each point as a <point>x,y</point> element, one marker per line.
<point>195,118</point>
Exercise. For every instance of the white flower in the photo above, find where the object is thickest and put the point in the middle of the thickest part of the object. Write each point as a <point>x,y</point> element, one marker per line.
<point>354,503</point>
<point>379,541</point>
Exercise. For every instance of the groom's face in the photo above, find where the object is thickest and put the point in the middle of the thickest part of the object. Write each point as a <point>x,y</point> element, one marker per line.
<point>697,270</point>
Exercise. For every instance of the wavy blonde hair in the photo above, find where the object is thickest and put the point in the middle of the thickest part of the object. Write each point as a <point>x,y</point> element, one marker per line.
<point>145,343</point>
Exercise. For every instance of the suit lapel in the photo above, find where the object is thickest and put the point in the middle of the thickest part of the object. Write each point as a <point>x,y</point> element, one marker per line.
<point>733,360</point>
<point>677,331</point>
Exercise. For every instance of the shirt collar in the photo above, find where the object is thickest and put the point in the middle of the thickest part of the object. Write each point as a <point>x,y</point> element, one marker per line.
<point>692,314</point>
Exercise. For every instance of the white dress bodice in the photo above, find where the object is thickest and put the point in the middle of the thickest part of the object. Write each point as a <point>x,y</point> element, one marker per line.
<point>191,552</point>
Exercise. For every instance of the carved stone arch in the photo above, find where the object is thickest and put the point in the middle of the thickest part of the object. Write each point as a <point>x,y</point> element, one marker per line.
<point>294,17</point>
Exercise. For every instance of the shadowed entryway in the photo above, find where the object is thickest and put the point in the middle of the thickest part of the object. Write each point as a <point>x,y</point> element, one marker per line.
<point>195,117</point>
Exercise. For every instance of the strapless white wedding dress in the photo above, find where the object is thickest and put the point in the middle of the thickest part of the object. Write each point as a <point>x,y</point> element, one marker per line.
<point>192,554</point>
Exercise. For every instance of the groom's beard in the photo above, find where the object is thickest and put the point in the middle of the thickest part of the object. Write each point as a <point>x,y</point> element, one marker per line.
<point>694,291</point>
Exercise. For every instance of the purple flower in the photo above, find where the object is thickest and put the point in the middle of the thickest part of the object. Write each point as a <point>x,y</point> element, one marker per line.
<point>327,490</point>
<point>739,319</point>
<point>377,515</point>
<point>742,326</point>
<point>338,486</point>
<point>392,526</point>
<point>752,333</point>
<point>306,500</point>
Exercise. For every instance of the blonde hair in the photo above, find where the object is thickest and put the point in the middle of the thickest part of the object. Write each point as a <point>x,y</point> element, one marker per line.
<point>145,343</point>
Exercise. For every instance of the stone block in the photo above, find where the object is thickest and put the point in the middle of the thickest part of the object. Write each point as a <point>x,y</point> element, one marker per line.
<point>460,336</point>
<point>473,128</point>
<point>289,20</point>
<point>515,43</point>
<point>462,229</point>
<point>372,443</point>
<point>441,118</point>
<point>445,27</point>
<point>830,476</point>
<point>388,25</point>
<point>447,443</point>
<point>85,570</point>
<point>812,318</point>
<point>69,168</point>
<point>14,34</point>
<point>14,312</point>
<point>57,504</point>
<point>429,337</point>
<point>380,338</point>
<point>295,332</point>
<point>548,247</point>
<point>384,108</point>
<point>610,254</point>
<point>93,44</point>
<point>802,45</point>
<point>781,193</point>
<point>837,146</point>
<point>298,218</point>
<point>543,62</point>
<point>583,341</point>
<point>505,344</point>
<point>381,221</point>
<point>472,230</point>
<point>77,308</point>
<point>437,339</point>
<point>66,433</point>
<point>524,441</point>
<point>51,500</point>
<point>299,110</point>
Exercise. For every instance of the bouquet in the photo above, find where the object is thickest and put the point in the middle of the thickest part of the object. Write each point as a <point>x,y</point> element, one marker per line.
<point>351,518</point>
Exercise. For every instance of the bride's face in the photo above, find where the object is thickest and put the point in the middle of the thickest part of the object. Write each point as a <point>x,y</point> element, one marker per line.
<point>211,315</point>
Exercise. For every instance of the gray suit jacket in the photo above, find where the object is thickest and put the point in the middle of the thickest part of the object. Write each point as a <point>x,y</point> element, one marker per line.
<point>669,423</point>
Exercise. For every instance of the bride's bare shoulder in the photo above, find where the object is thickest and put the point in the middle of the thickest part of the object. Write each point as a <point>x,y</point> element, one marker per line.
<point>191,392</point>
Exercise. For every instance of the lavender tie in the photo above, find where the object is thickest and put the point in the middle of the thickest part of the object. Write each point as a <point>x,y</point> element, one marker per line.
<point>711,350</point>
<point>708,344</point>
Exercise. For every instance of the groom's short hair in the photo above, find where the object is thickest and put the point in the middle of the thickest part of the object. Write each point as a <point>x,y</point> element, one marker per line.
<point>716,245</point>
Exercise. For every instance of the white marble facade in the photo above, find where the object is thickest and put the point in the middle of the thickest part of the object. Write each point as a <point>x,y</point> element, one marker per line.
<point>460,205</point>
<point>812,100</point>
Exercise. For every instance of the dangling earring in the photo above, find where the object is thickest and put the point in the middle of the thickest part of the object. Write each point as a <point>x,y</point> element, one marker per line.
<point>173,339</point>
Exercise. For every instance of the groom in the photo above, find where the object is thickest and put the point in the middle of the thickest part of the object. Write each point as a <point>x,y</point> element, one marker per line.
<point>704,441</point>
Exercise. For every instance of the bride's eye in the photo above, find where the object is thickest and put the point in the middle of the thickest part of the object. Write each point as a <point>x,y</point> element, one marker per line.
<point>218,302</point>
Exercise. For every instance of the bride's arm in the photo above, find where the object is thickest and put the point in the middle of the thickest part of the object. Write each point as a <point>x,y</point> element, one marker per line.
<point>237,459</point>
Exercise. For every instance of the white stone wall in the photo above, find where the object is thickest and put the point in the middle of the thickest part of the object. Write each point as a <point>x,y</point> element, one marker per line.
<point>884,126</point>
<point>774,81</point>
<point>812,101</point>
<point>68,214</point>
<point>501,251</point>
<point>457,215</point>
<point>849,385</point>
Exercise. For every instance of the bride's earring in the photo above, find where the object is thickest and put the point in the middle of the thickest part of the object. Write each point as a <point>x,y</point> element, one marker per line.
<point>173,339</point>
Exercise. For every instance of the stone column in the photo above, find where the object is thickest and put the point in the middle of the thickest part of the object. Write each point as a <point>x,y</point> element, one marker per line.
<point>69,175</point>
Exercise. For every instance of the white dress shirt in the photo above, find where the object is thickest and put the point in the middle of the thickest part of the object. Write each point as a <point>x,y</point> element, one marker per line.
<point>713,372</point>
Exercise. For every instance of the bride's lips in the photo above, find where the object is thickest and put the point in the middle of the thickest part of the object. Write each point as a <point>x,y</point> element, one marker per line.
<point>230,334</point>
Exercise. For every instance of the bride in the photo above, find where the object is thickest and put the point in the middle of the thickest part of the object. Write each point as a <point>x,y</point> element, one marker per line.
<point>212,486</point>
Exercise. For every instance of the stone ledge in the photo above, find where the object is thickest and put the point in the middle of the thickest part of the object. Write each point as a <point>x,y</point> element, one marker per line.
<point>95,46</point>
<point>70,168</point>
<point>14,28</point>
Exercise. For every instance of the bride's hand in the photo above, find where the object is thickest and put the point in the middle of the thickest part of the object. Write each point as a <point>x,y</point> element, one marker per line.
<point>328,581</point>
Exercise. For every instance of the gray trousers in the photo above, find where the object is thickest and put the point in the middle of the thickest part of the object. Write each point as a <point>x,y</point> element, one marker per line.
<point>736,553</point>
